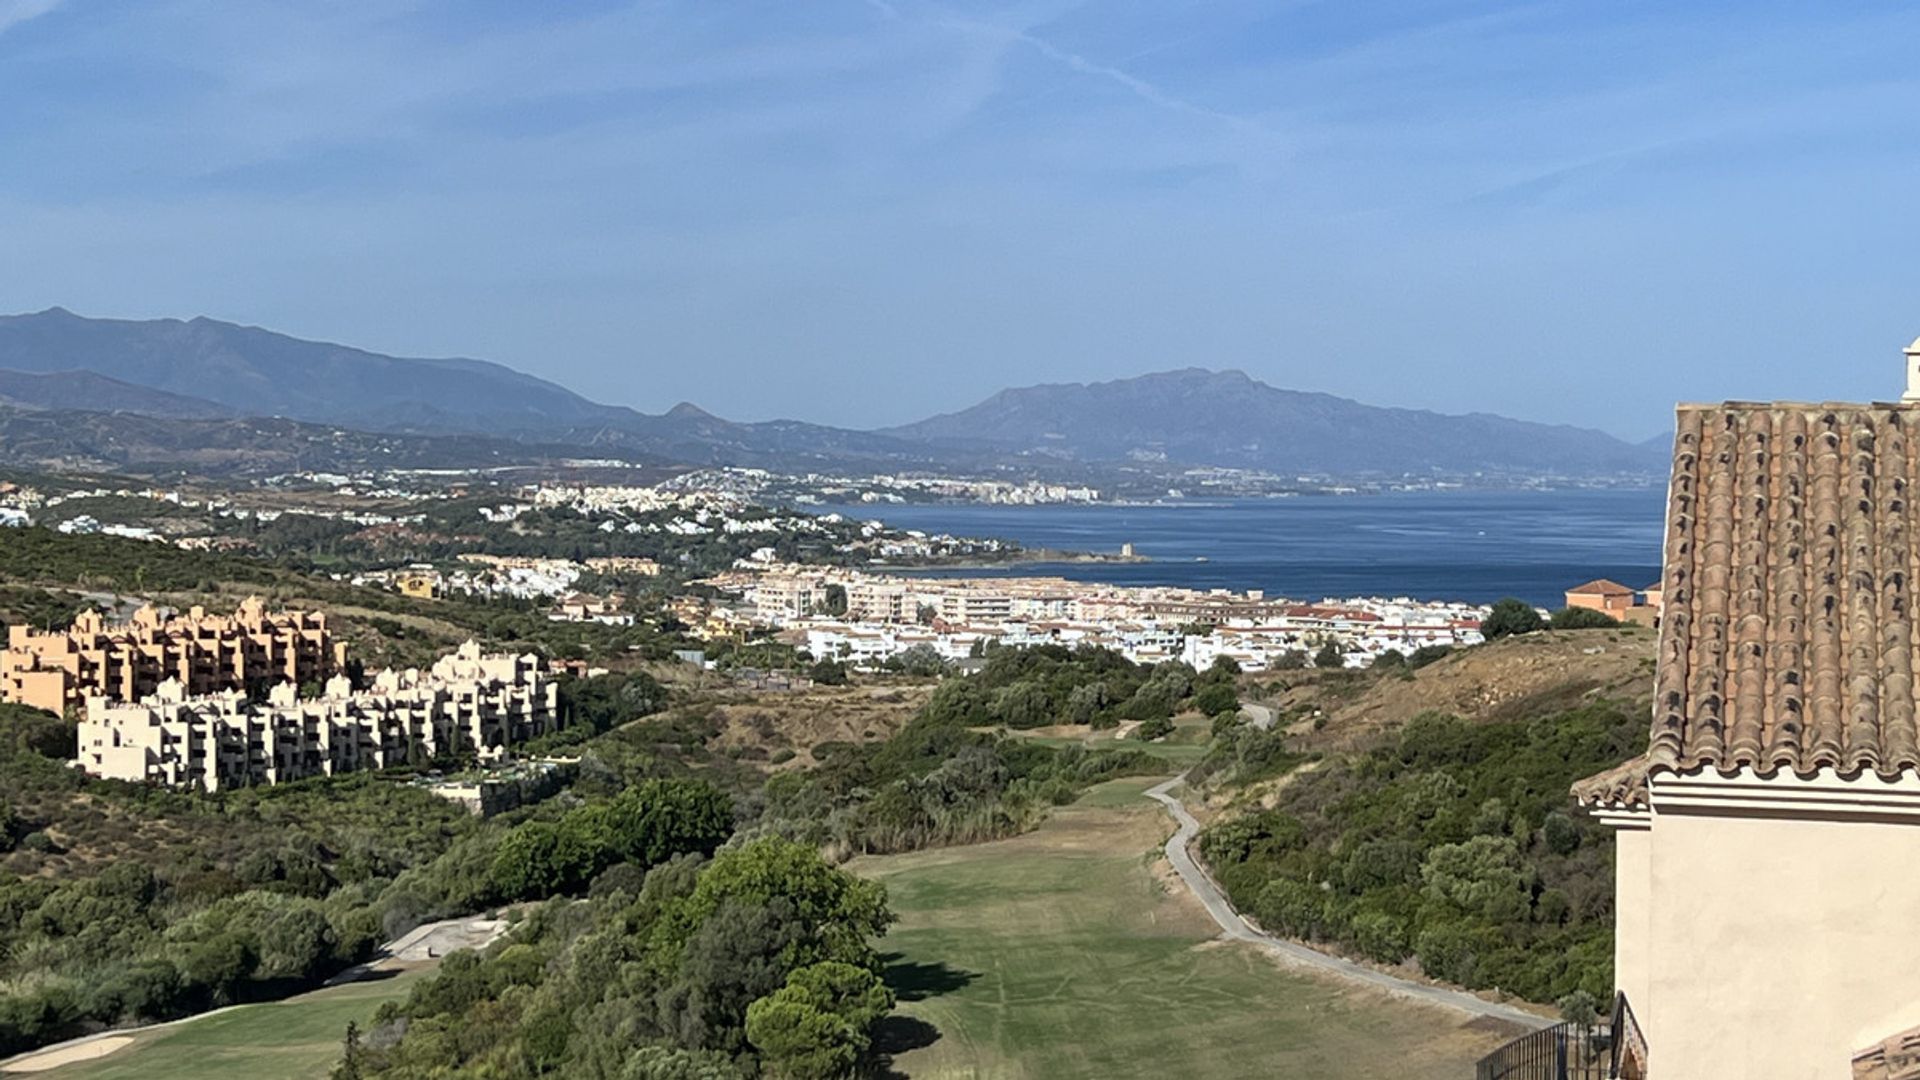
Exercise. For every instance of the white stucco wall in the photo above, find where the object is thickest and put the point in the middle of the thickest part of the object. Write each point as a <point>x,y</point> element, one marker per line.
<point>1775,946</point>
<point>1633,850</point>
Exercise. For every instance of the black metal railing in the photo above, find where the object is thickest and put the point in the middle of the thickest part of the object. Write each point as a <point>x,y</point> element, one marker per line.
<point>1561,1052</point>
<point>1629,1045</point>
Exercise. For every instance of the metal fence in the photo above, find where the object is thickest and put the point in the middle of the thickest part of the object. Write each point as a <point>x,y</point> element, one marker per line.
<point>1561,1052</point>
<point>1629,1045</point>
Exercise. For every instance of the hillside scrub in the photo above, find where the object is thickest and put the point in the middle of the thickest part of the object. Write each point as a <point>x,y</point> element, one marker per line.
<point>759,961</point>
<point>1452,845</point>
<point>942,779</point>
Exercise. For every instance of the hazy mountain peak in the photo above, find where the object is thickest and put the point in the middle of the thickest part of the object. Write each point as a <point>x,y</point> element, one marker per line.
<point>687,410</point>
<point>1227,418</point>
<point>1190,416</point>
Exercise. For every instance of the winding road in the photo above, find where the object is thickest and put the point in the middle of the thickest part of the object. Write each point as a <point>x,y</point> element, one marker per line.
<point>1237,928</point>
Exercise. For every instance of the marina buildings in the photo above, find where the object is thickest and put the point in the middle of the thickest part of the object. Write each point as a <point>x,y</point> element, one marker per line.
<point>886,615</point>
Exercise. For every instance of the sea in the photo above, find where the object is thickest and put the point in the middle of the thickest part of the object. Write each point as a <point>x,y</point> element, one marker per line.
<point>1472,546</point>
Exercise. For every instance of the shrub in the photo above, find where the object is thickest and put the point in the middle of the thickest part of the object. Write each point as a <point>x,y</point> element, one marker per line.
<point>1510,616</point>
<point>1294,908</point>
<point>1156,727</point>
<point>1379,936</point>
<point>1560,834</point>
<point>1482,876</point>
<point>1582,618</point>
<point>1217,699</point>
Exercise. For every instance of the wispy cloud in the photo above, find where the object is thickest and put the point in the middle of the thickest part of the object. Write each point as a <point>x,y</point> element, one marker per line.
<point>15,12</point>
<point>1081,64</point>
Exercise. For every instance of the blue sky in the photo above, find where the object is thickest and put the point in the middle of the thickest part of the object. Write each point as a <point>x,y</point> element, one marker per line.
<point>862,212</point>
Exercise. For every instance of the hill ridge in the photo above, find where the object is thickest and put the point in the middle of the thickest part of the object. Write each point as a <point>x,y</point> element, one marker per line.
<point>1186,417</point>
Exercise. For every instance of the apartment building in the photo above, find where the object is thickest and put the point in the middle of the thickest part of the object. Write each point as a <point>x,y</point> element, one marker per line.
<point>967,607</point>
<point>467,703</point>
<point>204,653</point>
<point>882,601</point>
<point>778,597</point>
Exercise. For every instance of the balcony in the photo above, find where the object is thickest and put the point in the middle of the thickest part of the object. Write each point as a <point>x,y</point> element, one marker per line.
<point>1599,1051</point>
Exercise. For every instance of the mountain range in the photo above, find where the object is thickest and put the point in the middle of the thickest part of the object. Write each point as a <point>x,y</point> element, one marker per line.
<point>210,376</point>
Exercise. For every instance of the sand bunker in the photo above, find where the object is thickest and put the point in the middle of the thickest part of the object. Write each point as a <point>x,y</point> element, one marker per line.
<point>67,1055</point>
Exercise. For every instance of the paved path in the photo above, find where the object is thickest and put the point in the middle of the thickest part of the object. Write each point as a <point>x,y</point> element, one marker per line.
<point>1259,716</point>
<point>422,943</point>
<point>1237,929</point>
<point>430,941</point>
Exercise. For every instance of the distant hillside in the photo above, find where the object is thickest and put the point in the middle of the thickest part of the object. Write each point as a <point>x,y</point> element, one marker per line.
<point>203,368</point>
<point>62,389</point>
<point>61,440</point>
<point>255,372</point>
<point>247,371</point>
<point>1225,418</point>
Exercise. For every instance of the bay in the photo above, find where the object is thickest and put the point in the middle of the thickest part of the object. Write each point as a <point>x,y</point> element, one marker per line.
<point>1474,546</point>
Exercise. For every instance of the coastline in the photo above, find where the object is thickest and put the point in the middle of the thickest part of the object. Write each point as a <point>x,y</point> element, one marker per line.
<point>1022,557</point>
<point>1467,546</point>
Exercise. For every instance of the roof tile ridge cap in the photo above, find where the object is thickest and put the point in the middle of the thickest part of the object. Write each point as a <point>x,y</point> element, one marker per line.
<point>1668,722</point>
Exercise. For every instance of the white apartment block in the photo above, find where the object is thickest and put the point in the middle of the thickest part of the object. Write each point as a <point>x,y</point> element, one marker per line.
<point>777,598</point>
<point>467,703</point>
<point>882,601</point>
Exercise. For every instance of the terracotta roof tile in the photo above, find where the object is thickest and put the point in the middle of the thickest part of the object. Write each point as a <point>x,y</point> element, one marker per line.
<point>1896,1058</point>
<point>1603,587</point>
<point>1787,640</point>
<point>1621,786</point>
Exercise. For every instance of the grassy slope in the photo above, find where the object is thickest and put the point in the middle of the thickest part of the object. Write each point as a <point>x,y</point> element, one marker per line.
<point>1064,953</point>
<point>289,1040</point>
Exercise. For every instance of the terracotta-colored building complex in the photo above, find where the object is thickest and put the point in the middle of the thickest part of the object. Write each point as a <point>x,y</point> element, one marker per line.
<point>204,653</point>
<point>467,703</point>
<point>1768,842</point>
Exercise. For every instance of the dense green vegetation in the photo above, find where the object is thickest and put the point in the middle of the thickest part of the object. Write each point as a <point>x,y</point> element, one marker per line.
<point>1052,684</point>
<point>1453,844</point>
<point>1509,616</point>
<point>760,958</point>
<point>1580,618</point>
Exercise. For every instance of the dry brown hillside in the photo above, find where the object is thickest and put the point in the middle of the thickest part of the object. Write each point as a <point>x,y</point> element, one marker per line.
<point>1508,679</point>
<point>757,727</point>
